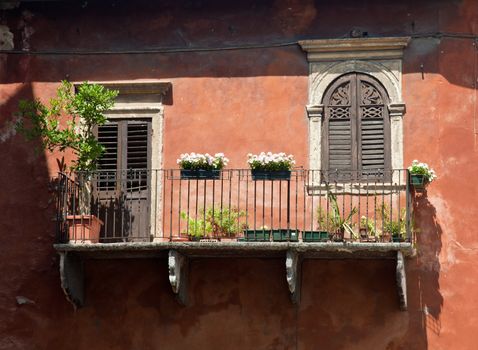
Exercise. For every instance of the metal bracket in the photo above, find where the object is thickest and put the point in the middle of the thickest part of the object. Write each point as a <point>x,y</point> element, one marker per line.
<point>401,281</point>
<point>72,278</point>
<point>178,266</point>
<point>293,274</point>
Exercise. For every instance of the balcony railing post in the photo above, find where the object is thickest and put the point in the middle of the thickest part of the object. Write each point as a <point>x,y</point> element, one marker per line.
<point>408,202</point>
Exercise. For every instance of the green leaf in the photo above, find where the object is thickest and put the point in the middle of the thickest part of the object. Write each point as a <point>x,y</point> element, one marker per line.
<point>88,105</point>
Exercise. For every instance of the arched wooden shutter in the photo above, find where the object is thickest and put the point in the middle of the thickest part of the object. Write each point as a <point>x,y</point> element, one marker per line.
<point>339,129</point>
<point>356,129</point>
<point>374,141</point>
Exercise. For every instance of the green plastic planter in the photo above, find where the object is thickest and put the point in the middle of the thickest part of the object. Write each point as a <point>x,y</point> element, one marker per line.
<point>418,181</point>
<point>285,235</point>
<point>187,174</point>
<point>270,175</point>
<point>315,236</point>
<point>257,235</point>
<point>397,238</point>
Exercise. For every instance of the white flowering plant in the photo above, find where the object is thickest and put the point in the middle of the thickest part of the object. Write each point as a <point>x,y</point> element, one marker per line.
<point>418,168</point>
<point>270,161</point>
<point>197,161</point>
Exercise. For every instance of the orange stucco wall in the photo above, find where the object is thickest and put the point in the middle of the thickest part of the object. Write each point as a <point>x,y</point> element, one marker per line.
<point>236,102</point>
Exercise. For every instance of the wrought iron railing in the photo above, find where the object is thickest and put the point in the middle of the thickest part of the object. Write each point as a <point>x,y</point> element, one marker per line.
<point>311,205</point>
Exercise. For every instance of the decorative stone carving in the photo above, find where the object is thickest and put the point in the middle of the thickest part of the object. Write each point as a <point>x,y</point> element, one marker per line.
<point>341,95</point>
<point>369,94</point>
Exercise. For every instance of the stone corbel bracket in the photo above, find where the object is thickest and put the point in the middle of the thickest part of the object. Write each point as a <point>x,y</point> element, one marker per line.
<point>396,109</point>
<point>72,278</point>
<point>401,281</point>
<point>315,111</point>
<point>293,266</point>
<point>178,266</point>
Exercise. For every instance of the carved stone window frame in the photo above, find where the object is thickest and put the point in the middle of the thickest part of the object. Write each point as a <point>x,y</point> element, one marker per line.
<point>329,59</point>
<point>144,100</point>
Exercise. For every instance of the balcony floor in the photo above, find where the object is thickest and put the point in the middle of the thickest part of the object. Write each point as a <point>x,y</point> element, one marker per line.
<point>325,250</point>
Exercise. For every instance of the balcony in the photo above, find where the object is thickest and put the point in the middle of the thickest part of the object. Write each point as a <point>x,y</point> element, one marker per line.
<point>160,205</point>
<point>312,214</point>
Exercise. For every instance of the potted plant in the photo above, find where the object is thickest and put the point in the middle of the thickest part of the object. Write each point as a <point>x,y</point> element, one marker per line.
<point>367,229</point>
<point>201,166</point>
<point>321,234</point>
<point>334,222</point>
<point>270,166</point>
<point>214,223</point>
<point>420,175</point>
<point>84,227</point>
<point>85,110</point>
<point>393,230</point>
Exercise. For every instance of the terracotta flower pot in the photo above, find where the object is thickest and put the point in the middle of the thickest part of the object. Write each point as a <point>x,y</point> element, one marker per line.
<point>180,239</point>
<point>339,235</point>
<point>84,228</point>
<point>386,237</point>
<point>363,234</point>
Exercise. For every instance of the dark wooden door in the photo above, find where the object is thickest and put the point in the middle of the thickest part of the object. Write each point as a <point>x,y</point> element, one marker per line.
<point>122,182</point>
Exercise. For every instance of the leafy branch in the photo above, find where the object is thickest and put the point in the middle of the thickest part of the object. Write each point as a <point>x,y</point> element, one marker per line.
<point>86,110</point>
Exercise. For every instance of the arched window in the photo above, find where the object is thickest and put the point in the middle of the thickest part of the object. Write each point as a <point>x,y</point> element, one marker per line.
<point>356,129</point>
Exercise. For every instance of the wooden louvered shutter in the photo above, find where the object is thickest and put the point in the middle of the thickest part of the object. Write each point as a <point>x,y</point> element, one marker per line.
<point>339,130</point>
<point>108,163</point>
<point>356,130</point>
<point>127,152</point>
<point>374,130</point>
<point>137,145</point>
<point>137,153</point>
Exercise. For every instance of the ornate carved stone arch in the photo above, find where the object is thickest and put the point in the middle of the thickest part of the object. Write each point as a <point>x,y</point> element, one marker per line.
<point>380,58</point>
<point>390,81</point>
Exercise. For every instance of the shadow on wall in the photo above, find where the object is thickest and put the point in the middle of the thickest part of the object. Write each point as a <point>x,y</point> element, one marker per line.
<point>354,303</point>
<point>28,264</point>
<point>425,272</point>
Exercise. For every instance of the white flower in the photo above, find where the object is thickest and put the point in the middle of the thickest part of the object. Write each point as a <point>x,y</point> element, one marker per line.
<point>419,168</point>
<point>271,161</point>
